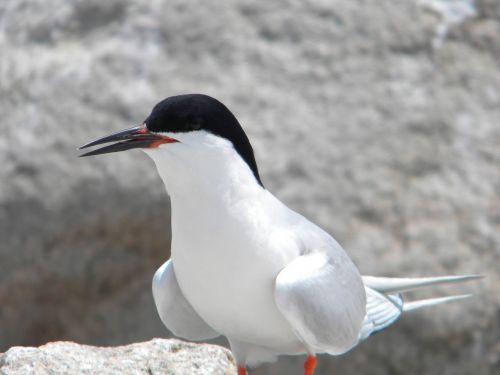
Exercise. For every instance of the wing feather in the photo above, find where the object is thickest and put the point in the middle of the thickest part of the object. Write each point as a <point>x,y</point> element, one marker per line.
<point>175,310</point>
<point>323,300</point>
<point>381,311</point>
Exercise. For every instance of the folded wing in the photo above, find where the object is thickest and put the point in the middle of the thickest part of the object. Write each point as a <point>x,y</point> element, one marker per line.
<point>323,300</point>
<point>381,311</point>
<point>175,311</point>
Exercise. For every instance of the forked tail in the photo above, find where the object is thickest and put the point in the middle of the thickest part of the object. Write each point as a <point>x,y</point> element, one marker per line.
<point>384,303</point>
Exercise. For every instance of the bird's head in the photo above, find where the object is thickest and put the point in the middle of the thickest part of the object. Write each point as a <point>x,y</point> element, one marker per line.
<point>182,123</point>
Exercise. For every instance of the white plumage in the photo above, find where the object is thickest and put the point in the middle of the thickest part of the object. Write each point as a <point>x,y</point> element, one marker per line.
<point>249,268</point>
<point>244,265</point>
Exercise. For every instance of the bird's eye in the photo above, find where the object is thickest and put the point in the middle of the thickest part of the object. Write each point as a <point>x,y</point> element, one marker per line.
<point>195,123</point>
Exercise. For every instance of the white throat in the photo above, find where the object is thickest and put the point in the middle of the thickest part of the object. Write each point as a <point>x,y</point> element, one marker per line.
<point>203,166</point>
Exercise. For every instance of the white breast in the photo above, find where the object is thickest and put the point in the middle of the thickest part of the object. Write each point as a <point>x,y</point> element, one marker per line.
<point>227,271</point>
<point>230,239</point>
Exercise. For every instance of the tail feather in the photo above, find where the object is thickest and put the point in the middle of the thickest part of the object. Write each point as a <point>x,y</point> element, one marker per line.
<point>397,285</point>
<point>414,305</point>
<point>384,304</point>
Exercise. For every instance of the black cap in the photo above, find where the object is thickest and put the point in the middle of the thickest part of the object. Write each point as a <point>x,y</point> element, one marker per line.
<point>192,112</point>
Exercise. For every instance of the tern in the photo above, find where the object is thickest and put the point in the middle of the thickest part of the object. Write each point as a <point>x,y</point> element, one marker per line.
<point>242,263</point>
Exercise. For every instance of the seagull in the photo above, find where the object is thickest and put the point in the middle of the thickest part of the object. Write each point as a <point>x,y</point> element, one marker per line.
<point>243,264</point>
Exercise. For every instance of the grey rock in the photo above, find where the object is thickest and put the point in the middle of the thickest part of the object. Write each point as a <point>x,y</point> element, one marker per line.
<point>158,356</point>
<point>357,122</point>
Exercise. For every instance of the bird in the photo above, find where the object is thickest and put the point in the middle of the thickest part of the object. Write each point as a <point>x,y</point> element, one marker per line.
<point>243,265</point>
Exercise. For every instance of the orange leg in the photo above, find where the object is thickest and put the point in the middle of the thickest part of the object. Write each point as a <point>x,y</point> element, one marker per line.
<point>309,365</point>
<point>242,370</point>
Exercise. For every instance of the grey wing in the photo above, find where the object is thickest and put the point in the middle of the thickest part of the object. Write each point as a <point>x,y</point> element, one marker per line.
<point>323,300</point>
<point>382,310</point>
<point>175,311</point>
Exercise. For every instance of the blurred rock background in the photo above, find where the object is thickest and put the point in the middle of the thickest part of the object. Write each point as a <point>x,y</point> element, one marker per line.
<point>359,120</point>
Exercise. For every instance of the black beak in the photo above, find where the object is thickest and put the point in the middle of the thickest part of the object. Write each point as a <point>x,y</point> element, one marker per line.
<point>136,137</point>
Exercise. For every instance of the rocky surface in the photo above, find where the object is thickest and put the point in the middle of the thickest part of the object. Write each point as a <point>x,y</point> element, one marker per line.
<point>358,122</point>
<point>155,357</point>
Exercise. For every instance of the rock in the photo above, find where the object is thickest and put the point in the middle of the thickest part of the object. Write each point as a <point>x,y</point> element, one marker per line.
<point>158,356</point>
<point>357,121</point>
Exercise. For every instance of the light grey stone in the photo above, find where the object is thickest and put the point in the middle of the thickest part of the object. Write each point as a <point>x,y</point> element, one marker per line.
<point>158,356</point>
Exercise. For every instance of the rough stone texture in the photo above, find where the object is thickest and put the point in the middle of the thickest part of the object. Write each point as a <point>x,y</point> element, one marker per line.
<point>357,122</point>
<point>158,356</point>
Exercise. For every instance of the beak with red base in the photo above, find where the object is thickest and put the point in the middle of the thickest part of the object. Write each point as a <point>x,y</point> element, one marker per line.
<point>136,137</point>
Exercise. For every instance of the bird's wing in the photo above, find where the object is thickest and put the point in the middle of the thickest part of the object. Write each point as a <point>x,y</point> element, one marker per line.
<point>174,310</point>
<point>381,311</point>
<point>321,300</point>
